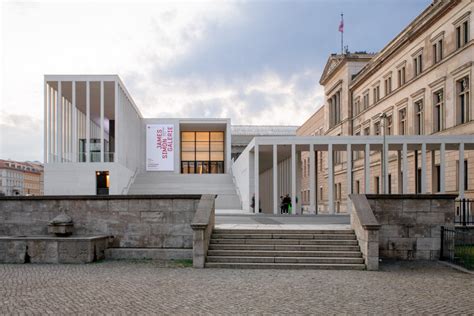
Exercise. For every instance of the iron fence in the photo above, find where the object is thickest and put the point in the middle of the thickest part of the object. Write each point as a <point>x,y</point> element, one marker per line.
<point>457,246</point>
<point>464,212</point>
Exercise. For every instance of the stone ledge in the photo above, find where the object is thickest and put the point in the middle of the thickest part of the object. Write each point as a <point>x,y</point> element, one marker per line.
<point>103,197</point>
<point>148,253</point>
<point>411,196</point>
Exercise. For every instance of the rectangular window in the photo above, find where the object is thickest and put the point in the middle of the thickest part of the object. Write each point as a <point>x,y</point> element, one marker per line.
<point>367,131</point>
<point>366,100</point>
<point>377,128</point>
<point>402,121</point>
<point>389,189</point>
<point>438,111</point>
<point>357,187</point>
<point>335,109</point>
<point>438,51</point>
<point>462,34</point>
<point>419,118</point>
<point>401,76</point>
<point>437,178</point>
<point>418,181</point>
<point>377,185</point>
<point>462,88</point>
<point>388,85</point>
<point>388,125</point>
<point>418,64</point>
<point>202,152</point>
<point>376,94</point>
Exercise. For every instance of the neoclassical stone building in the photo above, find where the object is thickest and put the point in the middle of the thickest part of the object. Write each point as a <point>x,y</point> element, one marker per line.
<point>420,83</point>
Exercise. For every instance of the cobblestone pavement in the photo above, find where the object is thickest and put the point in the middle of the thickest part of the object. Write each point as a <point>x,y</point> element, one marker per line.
<point>117,287</point>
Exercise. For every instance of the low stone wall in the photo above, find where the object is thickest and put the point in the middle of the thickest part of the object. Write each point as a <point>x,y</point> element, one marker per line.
<point>410,225</point>
<point>148,221</point>
<point>366,228</point>
<point>52,249</point>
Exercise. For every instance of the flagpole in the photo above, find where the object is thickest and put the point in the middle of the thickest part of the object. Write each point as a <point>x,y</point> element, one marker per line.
<point>342,34</point>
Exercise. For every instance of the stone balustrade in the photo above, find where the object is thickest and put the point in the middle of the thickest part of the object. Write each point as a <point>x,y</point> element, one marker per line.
<point>202,225</point>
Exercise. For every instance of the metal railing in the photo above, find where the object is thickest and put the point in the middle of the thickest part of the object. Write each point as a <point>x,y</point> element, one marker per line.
<point>464,212</point>
<point>457,246</point>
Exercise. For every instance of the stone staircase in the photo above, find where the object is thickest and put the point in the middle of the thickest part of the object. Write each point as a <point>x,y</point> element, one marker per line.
<point>173,183</point>
<point>284,249</point>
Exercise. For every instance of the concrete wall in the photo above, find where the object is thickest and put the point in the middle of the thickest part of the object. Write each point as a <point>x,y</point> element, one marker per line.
<point>242,171</point>
<point>134,221</point>
<point>410,225</point>
<point>80,178</point>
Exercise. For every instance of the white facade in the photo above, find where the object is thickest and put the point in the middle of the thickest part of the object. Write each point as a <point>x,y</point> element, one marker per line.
<point>92,125</point>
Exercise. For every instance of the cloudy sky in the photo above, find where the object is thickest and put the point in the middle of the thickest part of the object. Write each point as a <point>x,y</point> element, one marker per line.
<point>257,62</point>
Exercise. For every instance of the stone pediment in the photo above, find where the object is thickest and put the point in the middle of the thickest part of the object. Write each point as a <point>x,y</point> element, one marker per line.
<point>331,65</point>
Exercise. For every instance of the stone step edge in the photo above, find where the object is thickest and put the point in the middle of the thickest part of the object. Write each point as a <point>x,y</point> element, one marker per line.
<point>288,266</point>
<point>266,240</point>
<point>283,251</point>
<point>283,231</point>
<point>304,258</point>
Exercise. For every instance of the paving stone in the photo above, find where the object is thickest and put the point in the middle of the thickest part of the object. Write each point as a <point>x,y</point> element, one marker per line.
<point>148,287</point>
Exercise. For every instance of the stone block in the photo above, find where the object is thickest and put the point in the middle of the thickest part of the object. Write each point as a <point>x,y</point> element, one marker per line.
<point>173,242</point>
<point>43,251</point>
<point>153,217</point>
<point>139,205</point>
<point>161,205</point>
<point>402,243</point>
<point>442,205</point>
<point>117,205</point>
<point>416,205</point>
<point>423,255</point>
<point>184,205</point>
<point>427,218</point>
<point>425,243</point>
<point>393,231</point>
<point>96,205</point>
<point>75,252</point>
<point>372,263</point>
<point>420,230</point>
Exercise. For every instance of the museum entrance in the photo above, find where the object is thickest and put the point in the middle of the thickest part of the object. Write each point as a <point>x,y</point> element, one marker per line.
<point>202,152</point>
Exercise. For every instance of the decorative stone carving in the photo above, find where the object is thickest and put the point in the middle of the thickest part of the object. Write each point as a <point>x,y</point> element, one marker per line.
<point>62,225</point>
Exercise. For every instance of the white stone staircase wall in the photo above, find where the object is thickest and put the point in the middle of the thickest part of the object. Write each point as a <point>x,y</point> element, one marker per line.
<point>167,183</point>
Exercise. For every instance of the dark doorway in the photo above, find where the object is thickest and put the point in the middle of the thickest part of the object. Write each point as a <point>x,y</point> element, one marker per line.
<point>102,182</point>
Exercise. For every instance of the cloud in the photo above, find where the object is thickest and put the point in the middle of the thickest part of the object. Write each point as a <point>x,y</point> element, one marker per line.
<point>257,62</point>
<point>21,137</point>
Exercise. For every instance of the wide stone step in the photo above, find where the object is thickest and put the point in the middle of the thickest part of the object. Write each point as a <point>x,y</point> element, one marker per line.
<point>283,253</point>
<point>287,266</point>
<point>284,236</point>
<point>283,231</point>
<point>352,242</point>
<point>317,260</point>
<point>283,247</point>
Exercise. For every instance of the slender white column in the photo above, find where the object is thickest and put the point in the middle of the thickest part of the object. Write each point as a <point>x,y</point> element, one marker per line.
<point>331,180</point>
<point>385,168</point>
<point>74,124</point>
<point>399,171</point>
<point>312,180</point>
<point>102,147</point>
<point>442,168</point>
<point>405,168</point>
<point>367,168</point>
<point>256,179</point>
<point>116,118</point>
<point>293,179</point>
<point>88,120</point>
<point>349,177</point>
<point>423,168</point>
<point>276,205</point>
<point>461,170</point>
<point>59,118</point>
<point>46,123</point>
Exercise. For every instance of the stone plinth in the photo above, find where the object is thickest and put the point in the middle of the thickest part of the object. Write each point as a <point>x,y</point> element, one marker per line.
<point>45,249</point>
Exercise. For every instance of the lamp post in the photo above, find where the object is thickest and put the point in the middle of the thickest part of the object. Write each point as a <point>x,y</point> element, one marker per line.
<point>383,118</point>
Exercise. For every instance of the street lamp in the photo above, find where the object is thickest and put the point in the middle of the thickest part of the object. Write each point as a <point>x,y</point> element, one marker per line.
<point>383,118</point>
